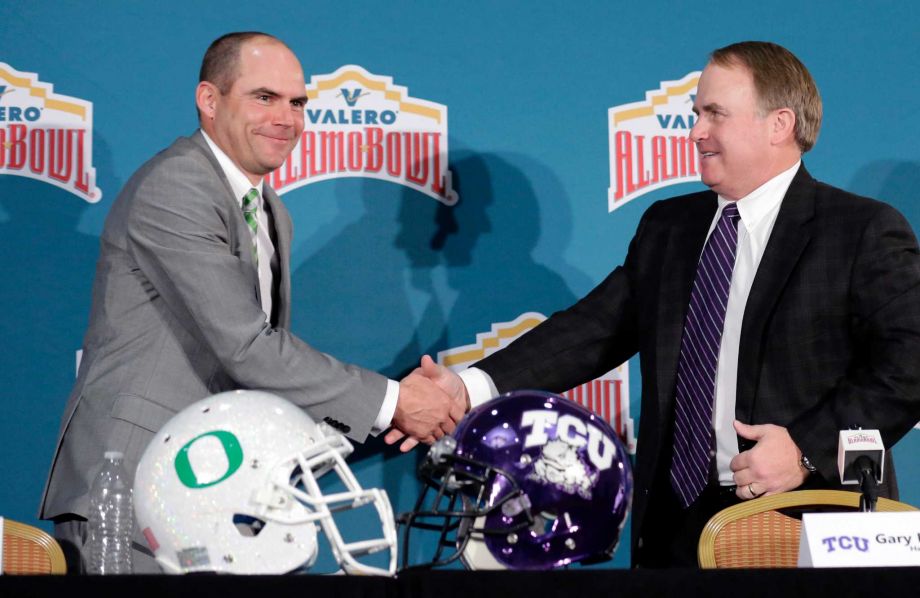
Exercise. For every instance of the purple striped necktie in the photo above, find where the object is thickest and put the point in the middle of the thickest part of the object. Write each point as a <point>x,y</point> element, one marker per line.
<point>699,355</point>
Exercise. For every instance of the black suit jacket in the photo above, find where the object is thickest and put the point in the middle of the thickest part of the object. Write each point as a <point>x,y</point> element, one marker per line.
<point>830,337</point>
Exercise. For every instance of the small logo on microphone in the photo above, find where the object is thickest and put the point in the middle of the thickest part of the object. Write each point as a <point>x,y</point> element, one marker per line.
<point>861,438</point>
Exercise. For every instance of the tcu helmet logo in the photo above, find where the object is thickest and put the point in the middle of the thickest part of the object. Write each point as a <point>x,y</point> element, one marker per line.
<point>561,466</point>
<point>561,462</point>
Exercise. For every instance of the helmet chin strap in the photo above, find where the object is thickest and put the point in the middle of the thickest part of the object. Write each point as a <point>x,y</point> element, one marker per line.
<point>477,556</point>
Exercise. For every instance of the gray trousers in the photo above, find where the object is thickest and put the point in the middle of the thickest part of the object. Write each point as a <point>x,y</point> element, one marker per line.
<point>72,533</point>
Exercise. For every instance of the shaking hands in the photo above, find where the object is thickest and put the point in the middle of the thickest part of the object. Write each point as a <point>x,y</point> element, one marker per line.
<point>432,400</point>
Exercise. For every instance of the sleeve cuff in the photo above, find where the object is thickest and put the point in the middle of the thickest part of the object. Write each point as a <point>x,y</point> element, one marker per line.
<point>387,409</point>
<point>479,386</point>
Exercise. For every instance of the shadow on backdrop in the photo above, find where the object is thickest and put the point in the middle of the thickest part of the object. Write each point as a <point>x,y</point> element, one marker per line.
<point>892,181</point>
<point>508,256</point>
<point>361,291</point>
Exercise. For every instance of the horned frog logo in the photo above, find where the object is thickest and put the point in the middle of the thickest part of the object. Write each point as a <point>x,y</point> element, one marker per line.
<point>559,465</point>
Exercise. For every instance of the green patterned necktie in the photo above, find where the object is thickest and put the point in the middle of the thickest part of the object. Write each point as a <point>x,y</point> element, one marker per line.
<point>251,214</point>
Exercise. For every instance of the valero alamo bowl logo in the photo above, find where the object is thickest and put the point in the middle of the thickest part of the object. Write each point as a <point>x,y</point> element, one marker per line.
<point>46,136</point>
<point>650,145</point>
<point>358,124</point>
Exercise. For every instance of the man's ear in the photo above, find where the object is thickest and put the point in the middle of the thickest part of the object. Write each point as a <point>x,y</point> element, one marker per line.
<point>783,126</point>
<point>206,95</point>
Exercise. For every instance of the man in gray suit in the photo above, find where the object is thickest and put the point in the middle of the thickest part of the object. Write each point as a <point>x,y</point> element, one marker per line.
<point>192,293</point>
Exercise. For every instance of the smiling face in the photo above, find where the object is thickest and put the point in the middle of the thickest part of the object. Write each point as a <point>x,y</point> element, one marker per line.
<point>734,138</point>
<point>258,121</point>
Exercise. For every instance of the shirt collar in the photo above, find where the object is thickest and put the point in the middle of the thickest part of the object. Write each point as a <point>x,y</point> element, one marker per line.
<point>239,182</point>
<point>764,199</point>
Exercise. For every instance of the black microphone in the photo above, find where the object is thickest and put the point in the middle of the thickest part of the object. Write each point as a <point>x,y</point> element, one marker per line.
<point>868,483</point>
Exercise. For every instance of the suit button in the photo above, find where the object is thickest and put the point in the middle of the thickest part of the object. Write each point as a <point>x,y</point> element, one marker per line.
<point>337,424</point>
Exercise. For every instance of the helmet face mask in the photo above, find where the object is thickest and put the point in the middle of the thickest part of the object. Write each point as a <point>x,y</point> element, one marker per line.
<point>460,505</point>
<point>231,485</point>
<point>529,480</point>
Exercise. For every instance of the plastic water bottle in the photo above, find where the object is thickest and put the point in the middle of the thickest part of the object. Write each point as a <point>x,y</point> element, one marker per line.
<point>111,519</point>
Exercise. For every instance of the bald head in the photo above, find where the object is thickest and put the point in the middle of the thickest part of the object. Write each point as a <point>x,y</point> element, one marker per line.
<point>221,62</point>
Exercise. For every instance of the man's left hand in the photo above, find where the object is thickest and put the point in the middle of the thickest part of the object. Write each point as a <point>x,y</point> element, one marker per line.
<point>771,467</point>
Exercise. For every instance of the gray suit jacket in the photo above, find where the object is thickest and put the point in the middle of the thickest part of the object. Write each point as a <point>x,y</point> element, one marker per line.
<point>176,317</point>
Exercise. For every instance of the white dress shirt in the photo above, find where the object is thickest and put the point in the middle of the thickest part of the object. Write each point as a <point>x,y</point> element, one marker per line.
<point>758,211</point>
<point>268,265</point>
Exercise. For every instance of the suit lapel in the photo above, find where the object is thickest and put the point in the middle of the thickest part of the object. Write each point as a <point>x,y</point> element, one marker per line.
<point>202,145</point>
<point>680,261</point>
<point>239,233</point>
<point>789,238</point>
<point>282,225</point>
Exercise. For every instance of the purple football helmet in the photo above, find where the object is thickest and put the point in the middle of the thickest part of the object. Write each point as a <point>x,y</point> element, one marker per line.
<point>529,480</point>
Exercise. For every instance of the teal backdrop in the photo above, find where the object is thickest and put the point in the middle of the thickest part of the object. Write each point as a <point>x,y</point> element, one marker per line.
<point>383,273</point>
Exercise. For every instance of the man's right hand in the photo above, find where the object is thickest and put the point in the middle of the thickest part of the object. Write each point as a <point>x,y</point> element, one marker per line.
<point>418,417</point>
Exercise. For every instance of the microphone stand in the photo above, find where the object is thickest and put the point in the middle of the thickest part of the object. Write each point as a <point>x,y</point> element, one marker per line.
<point>868,487</point>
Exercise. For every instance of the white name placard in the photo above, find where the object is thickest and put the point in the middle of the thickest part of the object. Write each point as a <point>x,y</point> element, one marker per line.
<point>860,540</point>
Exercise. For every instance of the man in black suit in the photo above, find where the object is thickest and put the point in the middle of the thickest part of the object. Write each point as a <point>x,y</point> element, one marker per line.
<point>818,329</point>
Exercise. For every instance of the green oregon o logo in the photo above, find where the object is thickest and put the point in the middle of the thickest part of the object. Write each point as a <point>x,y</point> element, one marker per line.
<point>232,449</point>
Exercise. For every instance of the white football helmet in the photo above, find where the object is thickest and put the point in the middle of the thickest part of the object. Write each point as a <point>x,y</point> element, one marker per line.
<point>230,485</point>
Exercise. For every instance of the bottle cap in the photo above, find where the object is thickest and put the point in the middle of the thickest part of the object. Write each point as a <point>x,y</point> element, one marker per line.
<point>114,455</point>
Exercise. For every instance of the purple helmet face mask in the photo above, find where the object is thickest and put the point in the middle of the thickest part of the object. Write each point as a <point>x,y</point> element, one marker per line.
<point>573,472</point>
